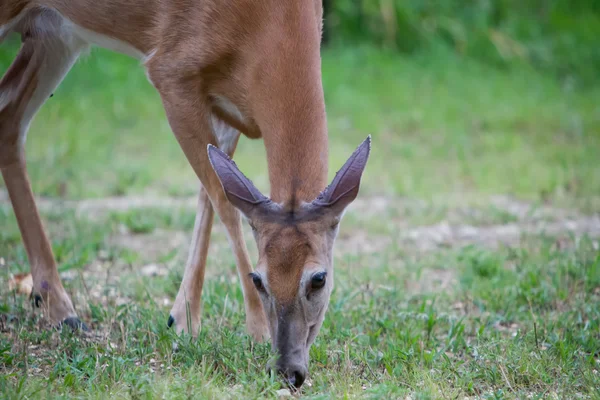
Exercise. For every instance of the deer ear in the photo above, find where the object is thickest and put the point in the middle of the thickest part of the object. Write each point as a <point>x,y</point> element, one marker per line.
<point>344,187</point>
<point>240,191</point>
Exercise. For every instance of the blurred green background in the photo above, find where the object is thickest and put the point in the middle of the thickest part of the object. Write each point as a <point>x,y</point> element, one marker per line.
<point>463,98</point>
<point>558,36</point>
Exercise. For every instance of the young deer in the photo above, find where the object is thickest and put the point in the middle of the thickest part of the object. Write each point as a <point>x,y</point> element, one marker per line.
<point>221,67</point>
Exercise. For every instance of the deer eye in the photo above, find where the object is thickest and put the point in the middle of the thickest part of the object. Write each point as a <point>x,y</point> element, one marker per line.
<point>257,282</point>
<point>317,281</point>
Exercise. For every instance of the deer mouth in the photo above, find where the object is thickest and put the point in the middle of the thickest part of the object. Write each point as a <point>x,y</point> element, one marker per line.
<point>311,333</point>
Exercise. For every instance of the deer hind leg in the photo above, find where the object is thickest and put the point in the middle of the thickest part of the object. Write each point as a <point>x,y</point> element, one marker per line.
<point>37,70</point>
<point>186,310</point>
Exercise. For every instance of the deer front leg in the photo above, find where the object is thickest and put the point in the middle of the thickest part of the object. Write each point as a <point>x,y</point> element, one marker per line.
<point>191,120</point>
<point>50,294</point>
<point>34,74</point>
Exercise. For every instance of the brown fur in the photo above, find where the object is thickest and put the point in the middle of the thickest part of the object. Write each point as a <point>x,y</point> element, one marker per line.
<point>286,251</point>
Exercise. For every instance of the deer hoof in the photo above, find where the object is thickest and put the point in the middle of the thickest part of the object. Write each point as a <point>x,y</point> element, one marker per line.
<point>75,324</point>
<point>171,321</point>
<point>37,300</point>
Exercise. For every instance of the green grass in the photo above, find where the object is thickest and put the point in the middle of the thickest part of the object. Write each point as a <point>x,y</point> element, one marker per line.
<point>509,322</point>
<point>485,320</point>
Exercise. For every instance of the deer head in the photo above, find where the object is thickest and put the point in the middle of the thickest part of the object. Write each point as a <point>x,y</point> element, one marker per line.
<point>294,275</point>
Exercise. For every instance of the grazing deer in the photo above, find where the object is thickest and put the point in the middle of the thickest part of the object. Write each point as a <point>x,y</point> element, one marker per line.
<point>221,67</point>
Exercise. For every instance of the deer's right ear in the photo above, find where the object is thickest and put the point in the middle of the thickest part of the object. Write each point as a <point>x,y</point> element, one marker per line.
<point>240,191</point>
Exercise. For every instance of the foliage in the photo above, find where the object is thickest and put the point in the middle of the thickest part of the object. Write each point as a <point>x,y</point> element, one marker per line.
<point>556,35</point>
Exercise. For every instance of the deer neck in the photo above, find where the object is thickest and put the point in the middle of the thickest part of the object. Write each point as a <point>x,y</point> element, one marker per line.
<point>286,96</point>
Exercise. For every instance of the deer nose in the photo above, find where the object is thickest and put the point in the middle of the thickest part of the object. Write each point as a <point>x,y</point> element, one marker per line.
<point>296,376</point>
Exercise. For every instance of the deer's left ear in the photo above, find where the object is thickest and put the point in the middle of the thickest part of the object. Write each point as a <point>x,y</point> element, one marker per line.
<point>240,191</point>
<point>344,187</point>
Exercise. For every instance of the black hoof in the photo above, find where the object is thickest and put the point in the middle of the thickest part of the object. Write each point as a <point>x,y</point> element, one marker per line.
<point>37,300</point>
<point>75,324</point>
<point>171,321</point>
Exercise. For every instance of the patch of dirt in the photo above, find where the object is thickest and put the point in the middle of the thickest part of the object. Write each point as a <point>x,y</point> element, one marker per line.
<point>444,235</point>
<point>456,211</point>
<point>153,245</point>
<point>99,207</point>
<point>433,280</point>
<point>361,242</point>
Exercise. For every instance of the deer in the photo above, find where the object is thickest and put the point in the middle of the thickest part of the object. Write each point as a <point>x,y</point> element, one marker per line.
<point>222,68</point>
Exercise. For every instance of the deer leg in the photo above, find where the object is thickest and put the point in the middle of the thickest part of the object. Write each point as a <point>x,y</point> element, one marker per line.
<point>35,72</point>
<point>187,307</point>
<point>190,119</point>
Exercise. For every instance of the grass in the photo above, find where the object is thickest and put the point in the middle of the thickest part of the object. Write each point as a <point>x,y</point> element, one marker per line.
<point>488,319</point>
<point>501,323</point>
